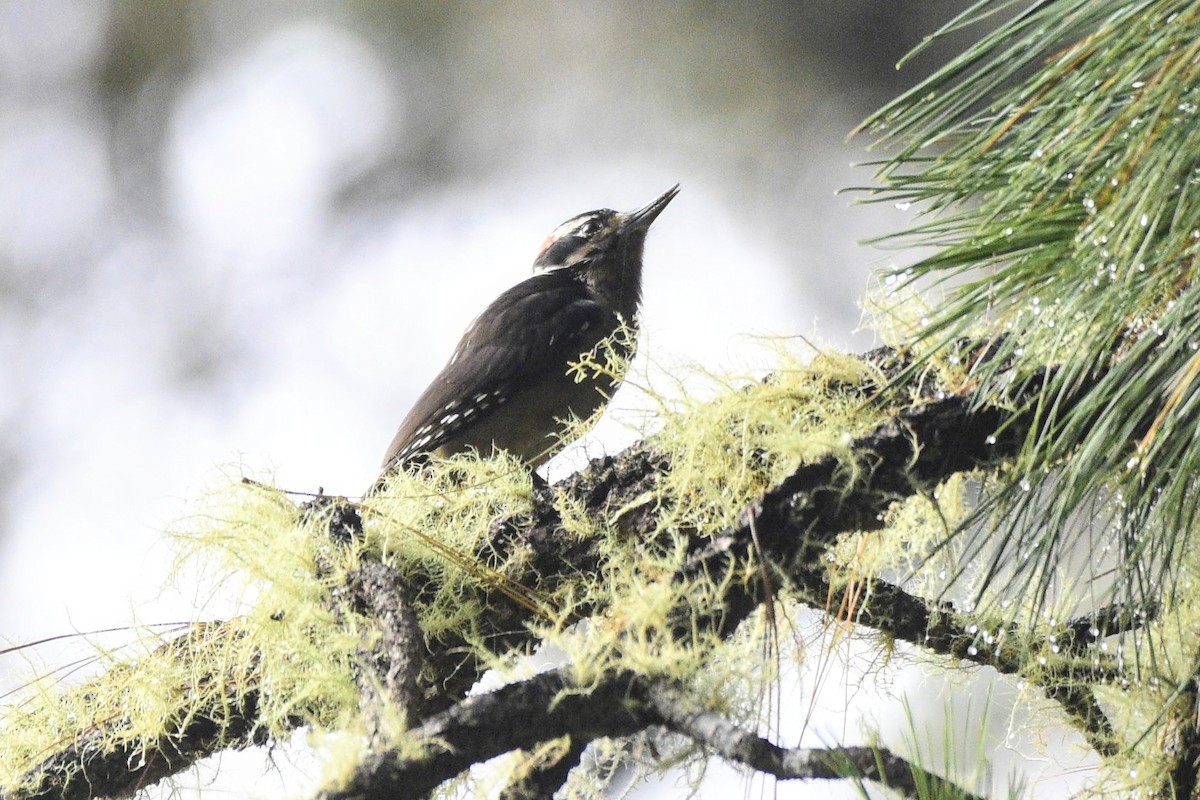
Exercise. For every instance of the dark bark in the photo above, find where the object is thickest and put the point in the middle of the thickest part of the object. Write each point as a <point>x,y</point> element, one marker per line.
<point>91,766</point>
<point>1179,741</point>
<point>389,669</point>
<point>790,526</point>
<point>549,705</point>
<point>543,780</point>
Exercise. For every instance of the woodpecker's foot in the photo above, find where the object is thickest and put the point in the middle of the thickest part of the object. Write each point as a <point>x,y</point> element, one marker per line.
<point>540,484</point>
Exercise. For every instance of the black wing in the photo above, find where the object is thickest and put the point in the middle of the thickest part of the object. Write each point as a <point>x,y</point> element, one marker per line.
<point>537,326</point>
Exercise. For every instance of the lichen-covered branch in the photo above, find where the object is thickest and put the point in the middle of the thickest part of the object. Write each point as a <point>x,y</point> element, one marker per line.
<point>721,736</point>
<point>389,667</point>
<point>547,777</point>
<point>218,710</point>
<point>478,728</point>
<point>790,526</point>
<point>550,705</point>
<point>1180,744</point>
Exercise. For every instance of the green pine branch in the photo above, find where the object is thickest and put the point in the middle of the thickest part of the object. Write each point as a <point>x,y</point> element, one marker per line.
<point>1055,167</point>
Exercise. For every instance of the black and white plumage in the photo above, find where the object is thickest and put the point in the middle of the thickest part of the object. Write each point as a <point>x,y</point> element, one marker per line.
<point>508,384</point>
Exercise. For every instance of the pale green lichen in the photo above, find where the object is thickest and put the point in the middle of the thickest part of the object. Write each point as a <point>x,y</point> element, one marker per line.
<point>283,647</point>
<point>297,653</point>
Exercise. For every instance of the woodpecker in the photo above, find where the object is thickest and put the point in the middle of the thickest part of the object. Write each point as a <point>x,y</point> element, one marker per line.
<point>509,385</point>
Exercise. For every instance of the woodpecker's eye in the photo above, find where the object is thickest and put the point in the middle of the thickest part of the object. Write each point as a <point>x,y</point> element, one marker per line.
<point>573,240</point>
<point>589,227</point>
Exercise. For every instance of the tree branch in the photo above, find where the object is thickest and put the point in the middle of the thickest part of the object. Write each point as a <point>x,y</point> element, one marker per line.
<point>513,717</point>
<point>549,706</point>
<point>794,522</point>
<point>100,763</point>
<point>1179,741</point>
<point>740,746</point>
<point>543,780</point>
<point>389,668</point>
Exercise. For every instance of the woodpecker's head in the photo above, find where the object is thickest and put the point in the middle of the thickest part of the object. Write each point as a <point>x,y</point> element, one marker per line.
<point>604,248</point>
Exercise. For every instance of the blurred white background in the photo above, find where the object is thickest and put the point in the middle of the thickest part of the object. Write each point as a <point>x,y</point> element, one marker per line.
<point>247,234</point>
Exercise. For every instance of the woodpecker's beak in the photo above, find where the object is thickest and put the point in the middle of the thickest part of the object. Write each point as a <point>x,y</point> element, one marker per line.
<point>642,218</point>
